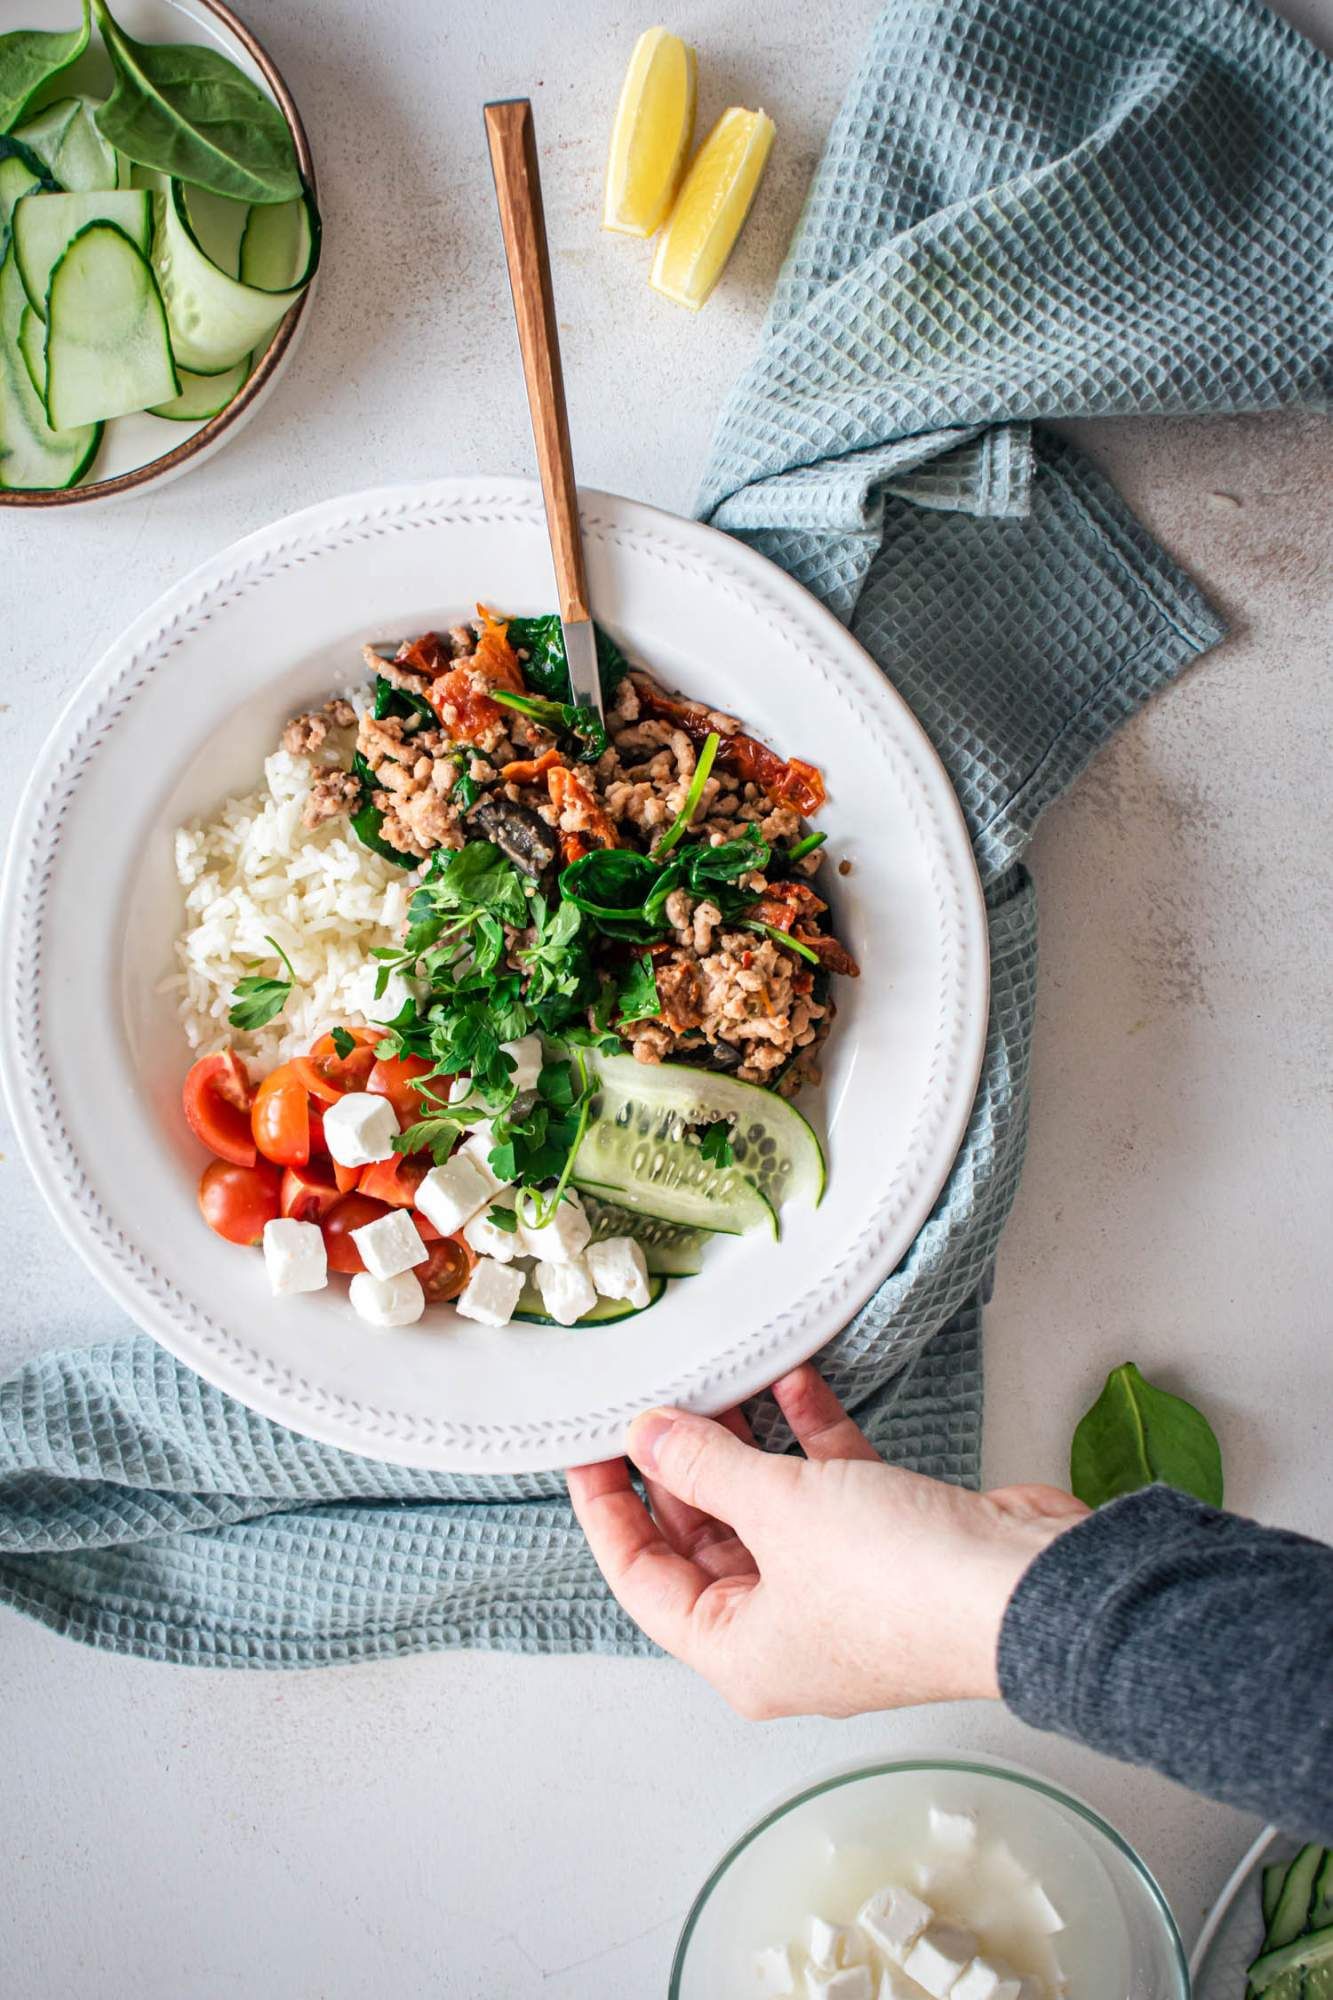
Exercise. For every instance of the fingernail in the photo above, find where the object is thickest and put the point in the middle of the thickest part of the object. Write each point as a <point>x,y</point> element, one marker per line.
<point>645,1437</point>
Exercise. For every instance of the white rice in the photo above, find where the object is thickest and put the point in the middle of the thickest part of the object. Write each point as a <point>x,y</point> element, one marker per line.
<point>253,871</point>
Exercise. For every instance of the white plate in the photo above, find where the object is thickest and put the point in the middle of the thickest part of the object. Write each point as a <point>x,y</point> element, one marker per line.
<point>140,451</point>
<point>181,711</point>
<point>1234,1929</point>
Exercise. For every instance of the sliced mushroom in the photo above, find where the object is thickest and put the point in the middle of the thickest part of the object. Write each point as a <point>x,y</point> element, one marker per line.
<point>519,833</point>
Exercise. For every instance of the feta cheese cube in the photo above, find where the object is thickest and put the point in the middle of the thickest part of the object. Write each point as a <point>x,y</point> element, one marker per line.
<point>894,1919</point>
<point>450,1195</point>
<point>477,1148</point>
<point>460,1088</point>
<point>849,1982</point>
<point>491,1293</point>
<point>390,1244</point>
<point>773,1976</point>
<point>955,1832</point>
<point>829,1944</point>
<point>528,1060</point>
<point>619,1269</point>
<point>396,1301</point>
<point>986,1981</point>
<point>1044,1913</point>
<point>360,1129</point>
<point>894,1985</point>
<point>488,1239</point>
<point>563,1238</point>
<point>938,1957</point>
<point>294,1256</point>
<point>567,1290</point>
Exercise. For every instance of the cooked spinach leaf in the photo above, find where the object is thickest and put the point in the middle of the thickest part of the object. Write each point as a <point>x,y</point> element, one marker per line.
<point>1135,1434</point>
<point>547,670</point>
<point>185,110</point>
<point>562,718</point>
<point>367,820</point>
<point>625,894</point>
<point>391,700</point>
<point>29,58</point>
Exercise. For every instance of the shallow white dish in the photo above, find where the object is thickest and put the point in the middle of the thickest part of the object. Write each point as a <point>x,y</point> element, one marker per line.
<point>141,451</point>
<point>826,1848</point>
<point>181,711</point>
<point>1234,1928</point>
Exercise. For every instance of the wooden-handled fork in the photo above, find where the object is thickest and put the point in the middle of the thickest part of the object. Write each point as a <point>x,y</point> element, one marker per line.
<point>513,145</point>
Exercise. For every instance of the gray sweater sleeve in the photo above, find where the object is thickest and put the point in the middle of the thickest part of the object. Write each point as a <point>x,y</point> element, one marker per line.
<point>1164,1632</point>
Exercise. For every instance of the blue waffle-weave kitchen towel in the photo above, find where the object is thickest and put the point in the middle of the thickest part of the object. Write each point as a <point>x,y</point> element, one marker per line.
<point>1027,209</point>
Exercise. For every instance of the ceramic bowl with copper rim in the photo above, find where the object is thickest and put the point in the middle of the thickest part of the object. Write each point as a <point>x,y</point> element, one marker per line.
<point>142,451</point>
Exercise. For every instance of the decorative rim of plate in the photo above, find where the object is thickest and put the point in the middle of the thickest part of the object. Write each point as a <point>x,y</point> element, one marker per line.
<point>270,361</point>
<point>276,1390</point>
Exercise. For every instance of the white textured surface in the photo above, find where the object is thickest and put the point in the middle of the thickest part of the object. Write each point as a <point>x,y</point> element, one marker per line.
<point>172,1835</point>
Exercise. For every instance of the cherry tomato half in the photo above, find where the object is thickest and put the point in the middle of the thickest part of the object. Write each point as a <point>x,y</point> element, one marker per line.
<point>446,1270</point>
<point>346,1178</point>
<point>308,1193</point>
<point>349,1072</point>
<point>280,1118</point>
<point>392,1078</point>
<point>353,1211</point>
<point>397,1180</point>
<point>236,1202</point>
<point>216,1096</point>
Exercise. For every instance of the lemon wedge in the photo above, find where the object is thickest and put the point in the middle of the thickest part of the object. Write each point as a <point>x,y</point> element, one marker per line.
<point>712,206</point>
<point>653,129</point>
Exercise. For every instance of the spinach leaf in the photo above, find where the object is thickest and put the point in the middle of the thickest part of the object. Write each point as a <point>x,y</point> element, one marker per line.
<point>259,1000</point>
<point>1135,1434</point>
<point>29,58</point>
<point>715,1143</point>
<point>561,718</point>
<point>188,111</point>
<point>637,991</point>
<point>391,700</point>
<point>612,886</point>
<point>367,820</point>
<point>546,669</point>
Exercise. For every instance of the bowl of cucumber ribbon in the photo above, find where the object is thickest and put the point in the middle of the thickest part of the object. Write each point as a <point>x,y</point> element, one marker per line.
<point>159,235</point>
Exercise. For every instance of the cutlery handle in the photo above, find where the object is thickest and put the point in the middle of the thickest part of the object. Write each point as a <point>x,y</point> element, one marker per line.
<point>518,189</point>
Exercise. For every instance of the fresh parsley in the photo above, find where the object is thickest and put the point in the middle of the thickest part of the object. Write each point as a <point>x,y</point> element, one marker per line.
<point>503,1218</point>
<point>637,991</point>
<point>257,1000</point>
<point>343,1043</point>
<point>715,1143</point>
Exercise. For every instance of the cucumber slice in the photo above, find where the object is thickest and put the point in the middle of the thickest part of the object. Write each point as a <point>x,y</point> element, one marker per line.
<point>1291,1912</point>
<point>215,319</point>
<point>107,347</point>
<point>32,455</point>
<point>275,249</point>
<point>32,346</point>
<point>203,395</point>
<point>1271,1889</point>
<point>217,224</point>
<point>773,1146</point>
<point>1302,1954</point>
<point>669,1249</point>
<point>46,224</point>
<point>65,138</point>
<point>606,1312</point>
<point>21,172</point>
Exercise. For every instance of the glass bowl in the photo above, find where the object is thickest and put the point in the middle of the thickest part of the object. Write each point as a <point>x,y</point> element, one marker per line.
<point>829,1846</point>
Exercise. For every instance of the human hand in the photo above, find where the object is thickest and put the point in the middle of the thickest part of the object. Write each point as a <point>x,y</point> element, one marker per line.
<point>830,1584</point>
